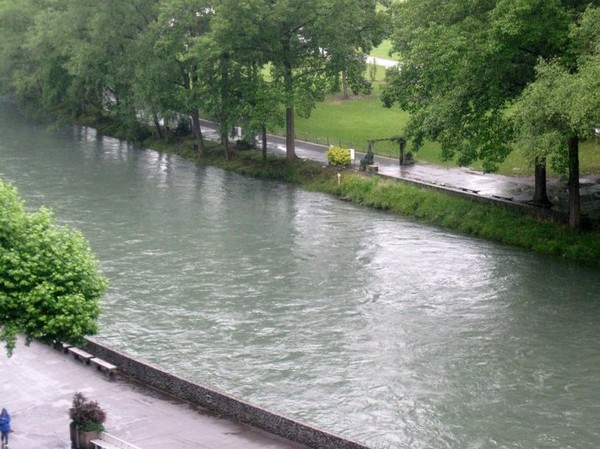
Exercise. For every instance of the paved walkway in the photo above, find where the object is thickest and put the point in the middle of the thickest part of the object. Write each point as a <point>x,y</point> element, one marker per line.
<point>37,388</point>
<point>387,63</point>
<point>517,189</point>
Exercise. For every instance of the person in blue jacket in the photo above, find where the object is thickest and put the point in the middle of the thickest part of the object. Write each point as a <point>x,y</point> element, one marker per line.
<point>4,427</point>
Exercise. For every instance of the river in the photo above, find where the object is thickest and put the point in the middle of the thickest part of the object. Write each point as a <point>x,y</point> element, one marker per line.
<point>369,325</point>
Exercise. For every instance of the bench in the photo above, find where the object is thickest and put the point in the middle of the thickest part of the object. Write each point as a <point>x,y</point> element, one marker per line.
<point>505,198</point>
<point>104,366</point>
<point>65,347</point>
<point>108,441</point>
<point>80,354</point>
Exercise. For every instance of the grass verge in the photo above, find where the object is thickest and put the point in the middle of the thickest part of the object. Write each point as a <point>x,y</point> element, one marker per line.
<point>436,208</point>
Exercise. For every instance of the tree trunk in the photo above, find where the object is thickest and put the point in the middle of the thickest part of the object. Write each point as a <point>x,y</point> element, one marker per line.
<point>225,143</point>
<point>263,130</point>
<point>288,80</point>
<point>290,134</point>
<point>224,107</point>
<point>540,194</point>
<point>197,131</point>
<point>402,154</point>
<point>158,127</point>
<point>345,84</point>
<point>226,149</point>
<point>574,196</point>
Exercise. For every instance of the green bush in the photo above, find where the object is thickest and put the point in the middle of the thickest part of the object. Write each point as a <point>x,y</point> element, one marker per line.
<point>339,156</point>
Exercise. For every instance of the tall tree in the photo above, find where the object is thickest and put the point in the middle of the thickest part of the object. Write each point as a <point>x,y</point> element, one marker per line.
<point>562,106</point>
<point>16,20</point>
<point>462,61</point>
<point>101,58</point>
<point>33,64</point>
<point>302,44</point>
<point>169,74</point>
<point>50,287</point>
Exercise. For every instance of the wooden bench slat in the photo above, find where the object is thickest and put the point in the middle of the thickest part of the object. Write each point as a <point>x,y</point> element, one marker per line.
<point>103,365</point>
<point>80,354</point>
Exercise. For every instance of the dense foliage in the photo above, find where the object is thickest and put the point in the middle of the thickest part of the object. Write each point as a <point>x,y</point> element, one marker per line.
<point>49,281</point>
<point>464,63</point>
<point>243,62</point>
<point>339,156</point>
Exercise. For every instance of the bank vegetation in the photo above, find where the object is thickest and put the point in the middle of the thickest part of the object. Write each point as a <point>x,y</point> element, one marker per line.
<point>479,78</point>
<point>436,208</point>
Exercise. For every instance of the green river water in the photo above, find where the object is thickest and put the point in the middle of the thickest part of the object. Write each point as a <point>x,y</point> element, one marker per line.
<point>365,324</point>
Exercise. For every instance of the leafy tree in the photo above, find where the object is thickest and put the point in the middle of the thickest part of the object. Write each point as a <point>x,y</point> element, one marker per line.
<point>32,67</point>
<point>73,57</point>
<point>228,80</point>
<point>302,44</point>
<point>100,53</point>
<point>562,106</point>
<point>49,282</point>
<point>462,62</point>
<point>15,21</point>
<point>169,74</point>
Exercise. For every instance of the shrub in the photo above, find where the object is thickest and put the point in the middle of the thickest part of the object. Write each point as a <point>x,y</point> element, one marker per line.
<point>339,156</point>
<point>87,415</point>
<point>367,160</point>
<point>245,144</point>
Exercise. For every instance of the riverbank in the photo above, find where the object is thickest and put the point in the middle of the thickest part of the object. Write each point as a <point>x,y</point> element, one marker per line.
<point>491,222</point>
<point>488,220</point>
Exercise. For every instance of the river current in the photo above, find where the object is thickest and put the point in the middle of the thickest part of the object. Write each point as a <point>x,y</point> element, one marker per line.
<point>366,324</point>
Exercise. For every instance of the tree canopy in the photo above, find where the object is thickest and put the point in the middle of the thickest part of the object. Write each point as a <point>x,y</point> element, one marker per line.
<point>462,61</point>
<point>50,286</point>
<point>202,58</point>
<point>465,63</point>
<point>562,105</point>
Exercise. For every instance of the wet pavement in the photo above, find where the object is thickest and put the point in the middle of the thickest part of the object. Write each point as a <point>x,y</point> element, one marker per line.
<point>514,189</point>
<point>38,383</point>
<point>517,189</point>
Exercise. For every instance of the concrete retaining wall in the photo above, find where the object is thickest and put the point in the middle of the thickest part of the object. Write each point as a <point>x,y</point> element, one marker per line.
<point>524,209</point>
<point>220,402</point>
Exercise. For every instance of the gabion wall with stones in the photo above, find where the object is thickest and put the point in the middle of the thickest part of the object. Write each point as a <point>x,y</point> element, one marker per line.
<point>220,402</point>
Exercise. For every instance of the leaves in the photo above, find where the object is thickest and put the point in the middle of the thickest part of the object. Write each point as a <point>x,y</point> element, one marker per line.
<point>562,101</point>
<point>49,282</point>
<point>463,62</point>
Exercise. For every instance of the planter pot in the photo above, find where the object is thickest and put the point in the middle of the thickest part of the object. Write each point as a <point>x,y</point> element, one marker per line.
<point>81,439</point>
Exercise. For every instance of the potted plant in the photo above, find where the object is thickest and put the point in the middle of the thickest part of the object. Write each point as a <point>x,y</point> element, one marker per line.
<point>87,421</point>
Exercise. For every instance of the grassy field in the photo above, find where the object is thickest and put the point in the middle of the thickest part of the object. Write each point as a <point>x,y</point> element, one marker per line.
<point>383,51</point>
<point>352,122</point>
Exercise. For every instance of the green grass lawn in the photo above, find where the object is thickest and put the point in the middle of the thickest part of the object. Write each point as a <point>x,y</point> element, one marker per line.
<point>352,122</point>
<point>383,51</point>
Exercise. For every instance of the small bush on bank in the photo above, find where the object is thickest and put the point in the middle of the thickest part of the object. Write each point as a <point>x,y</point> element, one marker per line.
<point>339,156</point>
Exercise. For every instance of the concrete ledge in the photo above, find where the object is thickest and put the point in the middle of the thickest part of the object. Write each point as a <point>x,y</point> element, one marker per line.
<point>506,203</point>
<point>226,405</point>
